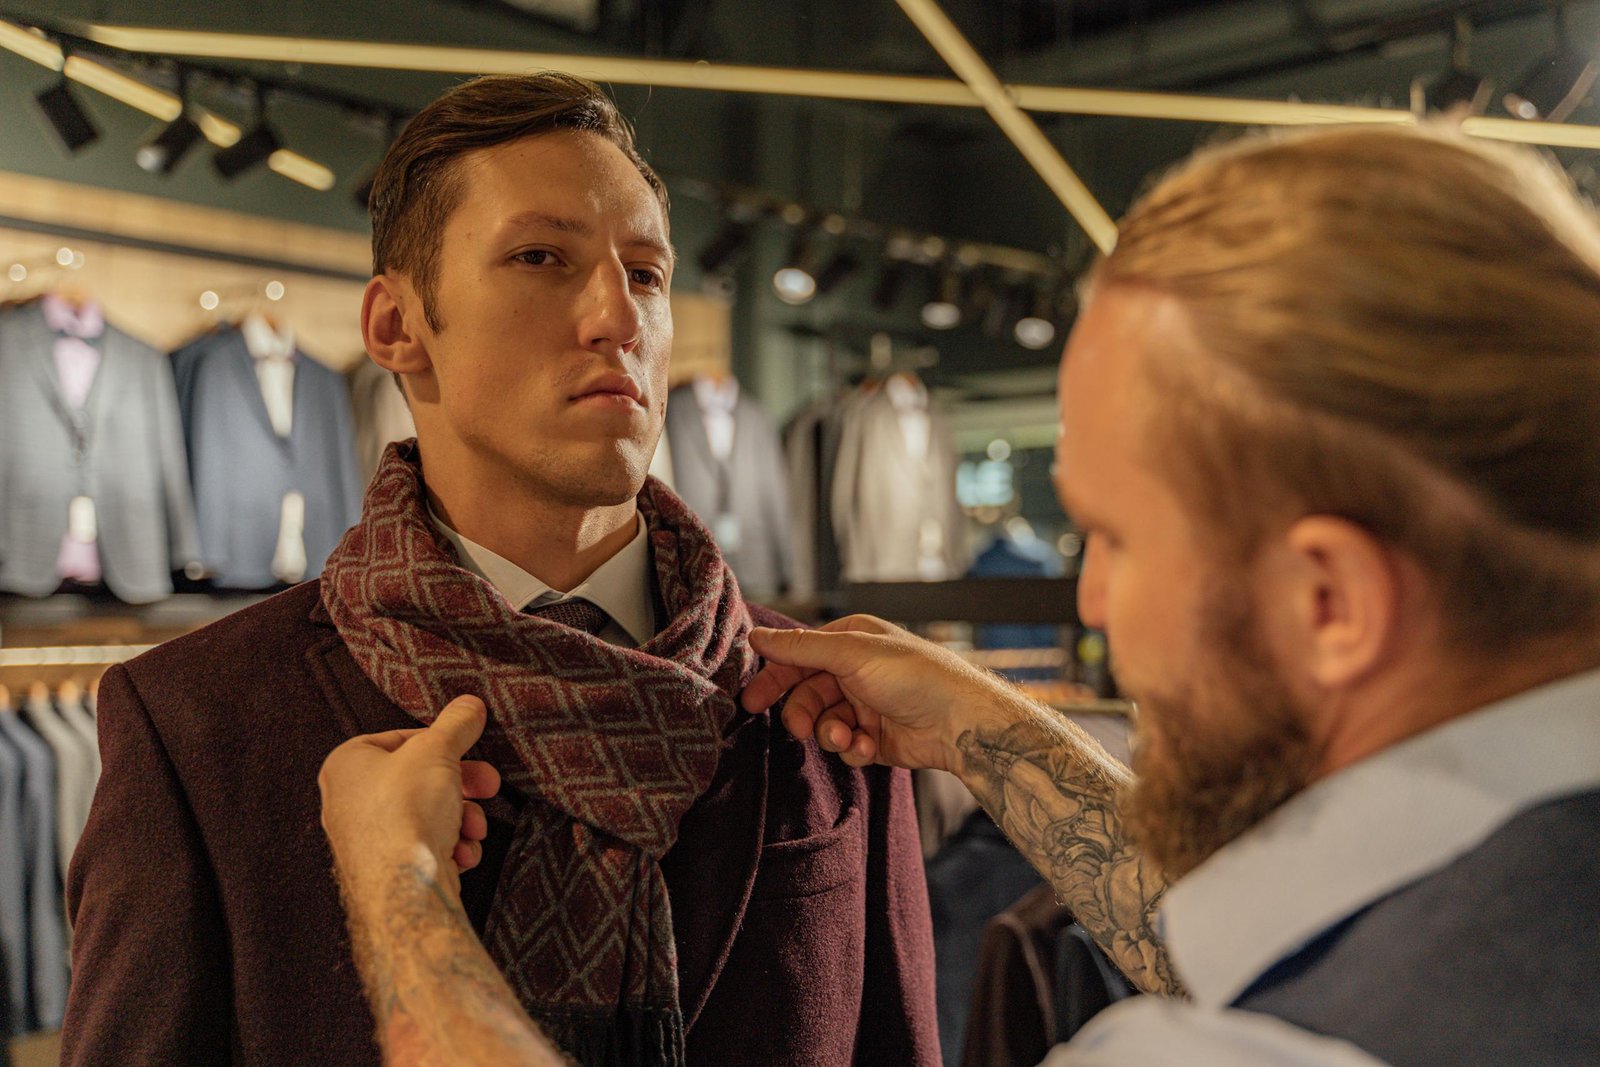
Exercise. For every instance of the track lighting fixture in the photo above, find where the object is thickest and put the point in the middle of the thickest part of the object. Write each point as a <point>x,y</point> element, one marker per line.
<point>66,116</point>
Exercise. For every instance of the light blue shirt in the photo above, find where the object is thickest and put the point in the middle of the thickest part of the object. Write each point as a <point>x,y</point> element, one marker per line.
<point>1347,841</point>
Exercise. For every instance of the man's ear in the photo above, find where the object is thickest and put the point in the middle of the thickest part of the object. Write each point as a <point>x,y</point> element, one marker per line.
<point>1339,601</point>
<point>393,326</point>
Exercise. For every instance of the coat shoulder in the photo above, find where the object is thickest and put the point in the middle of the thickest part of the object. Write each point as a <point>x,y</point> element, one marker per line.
<point>259,640</point>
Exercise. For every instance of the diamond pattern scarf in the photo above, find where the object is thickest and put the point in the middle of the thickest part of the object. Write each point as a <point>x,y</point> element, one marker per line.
<point>610,746</point>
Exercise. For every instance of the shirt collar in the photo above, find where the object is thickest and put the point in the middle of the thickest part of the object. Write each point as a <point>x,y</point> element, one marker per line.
<point>714,395</point>
<point>87,322</point>
<point>266,342</point>
<point>1373,828</point>
<point>621,586</point>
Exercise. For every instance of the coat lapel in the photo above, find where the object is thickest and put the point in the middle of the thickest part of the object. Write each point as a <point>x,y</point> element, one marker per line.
<point>359,706</point>
<point>242,368</point>
<point>114,360</point>
<point>712,868</point>
<point>37,344</point>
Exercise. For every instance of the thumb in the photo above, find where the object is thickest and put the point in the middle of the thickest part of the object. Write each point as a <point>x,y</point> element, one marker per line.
<point>839,654</point>
<point>458,726</point>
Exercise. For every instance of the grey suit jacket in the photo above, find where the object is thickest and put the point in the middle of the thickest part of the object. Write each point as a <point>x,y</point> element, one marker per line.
<point>45,975</point>
<point>75,777</point>
<point>753,480</point>
<point>13,893</point>
<point>242,468</point>
<point>133,469</point>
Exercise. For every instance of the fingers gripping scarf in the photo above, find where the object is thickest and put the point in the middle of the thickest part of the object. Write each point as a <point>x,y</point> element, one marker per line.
<point>610,746</point>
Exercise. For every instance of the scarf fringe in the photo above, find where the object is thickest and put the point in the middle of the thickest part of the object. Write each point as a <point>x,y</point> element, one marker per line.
<point>636,1036</point>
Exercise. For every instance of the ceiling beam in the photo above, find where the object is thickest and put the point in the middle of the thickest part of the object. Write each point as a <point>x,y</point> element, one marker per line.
<point>818,84</point>
<point>1035,147</point>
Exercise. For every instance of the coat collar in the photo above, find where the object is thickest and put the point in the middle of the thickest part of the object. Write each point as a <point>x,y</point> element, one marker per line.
<point>711,870</point>
<point>38,343</point>
<point>242,368</point>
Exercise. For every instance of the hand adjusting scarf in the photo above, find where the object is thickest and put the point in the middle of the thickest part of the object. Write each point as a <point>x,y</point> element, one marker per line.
<point>609,745</point>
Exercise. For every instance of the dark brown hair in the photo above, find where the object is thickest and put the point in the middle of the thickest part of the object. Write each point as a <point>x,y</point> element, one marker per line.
<point>1400,327</point>
<point>418,184</point>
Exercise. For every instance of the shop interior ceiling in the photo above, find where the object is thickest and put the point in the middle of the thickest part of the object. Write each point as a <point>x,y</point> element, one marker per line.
<point>937,170</point>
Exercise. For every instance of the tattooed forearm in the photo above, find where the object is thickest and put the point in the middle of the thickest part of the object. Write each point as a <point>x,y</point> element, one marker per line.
<point>1053,790</point>
<point>436,996</point>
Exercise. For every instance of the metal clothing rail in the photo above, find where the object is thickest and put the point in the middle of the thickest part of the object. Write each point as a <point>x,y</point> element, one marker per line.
<point>71,655</point>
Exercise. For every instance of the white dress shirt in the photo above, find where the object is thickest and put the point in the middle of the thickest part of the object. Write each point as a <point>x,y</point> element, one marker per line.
<point>273,351</point>
<point>622,586</point>
<point>1344,843</point>
<point>717,400</point>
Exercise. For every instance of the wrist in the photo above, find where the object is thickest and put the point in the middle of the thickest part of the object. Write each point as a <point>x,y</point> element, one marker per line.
<point>997,707</point>
<point>376,883</point>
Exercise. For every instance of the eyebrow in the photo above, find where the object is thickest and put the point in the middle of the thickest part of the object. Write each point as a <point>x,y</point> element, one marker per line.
<point>580,228</point>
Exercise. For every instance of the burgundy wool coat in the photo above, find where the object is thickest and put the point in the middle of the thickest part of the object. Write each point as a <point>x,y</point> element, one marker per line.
<point>207,924</point>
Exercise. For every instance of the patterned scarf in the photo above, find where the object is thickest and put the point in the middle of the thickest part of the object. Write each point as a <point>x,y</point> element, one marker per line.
<point>610,746</point>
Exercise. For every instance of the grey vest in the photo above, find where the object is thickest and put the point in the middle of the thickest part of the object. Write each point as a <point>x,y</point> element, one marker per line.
<point>1494,959</point>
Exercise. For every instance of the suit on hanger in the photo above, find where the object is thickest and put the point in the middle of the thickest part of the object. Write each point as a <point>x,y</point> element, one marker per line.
<point>74,777</point>
<point>46,968</point>
<point>133,466</point>
<point>895,513</point>
<point>751,485</point>
<point>796,882</point>
<point>13,892</point>
<point>243,469</point>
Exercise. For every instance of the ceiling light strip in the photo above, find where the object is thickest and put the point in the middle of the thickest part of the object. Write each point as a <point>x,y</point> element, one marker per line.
<point>881,88</point>
<point>841,85</point>
<point>119,86</point>
<point>1521,131</point>
<point>30,44</point>
<point>1229,110</point>
<point>1017,125</point>
<point>298,168</point>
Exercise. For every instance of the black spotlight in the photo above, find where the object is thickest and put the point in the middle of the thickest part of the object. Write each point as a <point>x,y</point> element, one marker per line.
<point>1554,87</point>
<point>163,151</point>
<point>725,247</point>
<point>891,284</point>
<point>251,150</point>
<point>833,273</point>
<point>1459,91</point>
<point>1455,92</point>
<point>67,117</point>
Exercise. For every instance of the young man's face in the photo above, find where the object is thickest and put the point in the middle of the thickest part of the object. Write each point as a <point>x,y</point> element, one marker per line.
<point>550,365</point>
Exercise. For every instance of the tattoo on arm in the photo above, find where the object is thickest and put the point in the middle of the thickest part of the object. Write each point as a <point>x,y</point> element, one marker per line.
<point>1053,791</point>
<point>436,996</point>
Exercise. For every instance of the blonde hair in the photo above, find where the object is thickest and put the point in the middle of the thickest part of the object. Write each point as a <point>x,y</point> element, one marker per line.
<point>1400,327</point>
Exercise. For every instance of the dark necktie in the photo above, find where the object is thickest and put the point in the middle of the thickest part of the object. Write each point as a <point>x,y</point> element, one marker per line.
<point>576,613</point>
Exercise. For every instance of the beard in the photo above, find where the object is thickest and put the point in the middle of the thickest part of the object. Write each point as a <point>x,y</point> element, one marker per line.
<point>1215,756</point>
